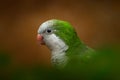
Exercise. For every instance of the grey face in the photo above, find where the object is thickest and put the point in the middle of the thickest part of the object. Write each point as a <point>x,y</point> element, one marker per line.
<point>46,26</point>
<point>46,30</point>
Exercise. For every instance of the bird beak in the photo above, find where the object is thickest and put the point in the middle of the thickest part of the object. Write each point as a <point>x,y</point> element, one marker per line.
<point>40,39</point>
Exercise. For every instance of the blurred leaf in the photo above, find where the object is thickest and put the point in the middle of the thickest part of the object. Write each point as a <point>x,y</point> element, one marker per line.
<point>4,59</point>
<point>104,66</point>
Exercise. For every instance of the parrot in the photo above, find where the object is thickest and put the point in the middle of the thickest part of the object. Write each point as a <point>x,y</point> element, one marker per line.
<point>64,43</point>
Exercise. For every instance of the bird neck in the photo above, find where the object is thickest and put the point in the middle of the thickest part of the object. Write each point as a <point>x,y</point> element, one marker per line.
<point>75,47</point>
<point>59,58</point>
<point>58,49</point>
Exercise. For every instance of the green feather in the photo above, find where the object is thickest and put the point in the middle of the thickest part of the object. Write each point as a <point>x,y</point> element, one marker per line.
<point>77,51</point>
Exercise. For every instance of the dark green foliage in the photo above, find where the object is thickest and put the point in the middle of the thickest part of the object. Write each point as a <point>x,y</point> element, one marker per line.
<point>104,66</point>
<point>5,62</point>
<point>4,59</point>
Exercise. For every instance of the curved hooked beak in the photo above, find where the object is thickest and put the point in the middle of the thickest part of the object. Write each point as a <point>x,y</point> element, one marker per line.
<point>40,39</point>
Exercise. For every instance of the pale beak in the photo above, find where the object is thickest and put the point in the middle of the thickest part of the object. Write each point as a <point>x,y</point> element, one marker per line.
<point>40,39</point>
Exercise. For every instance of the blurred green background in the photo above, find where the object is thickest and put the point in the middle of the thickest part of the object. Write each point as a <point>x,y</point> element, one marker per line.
<point>96,22</point>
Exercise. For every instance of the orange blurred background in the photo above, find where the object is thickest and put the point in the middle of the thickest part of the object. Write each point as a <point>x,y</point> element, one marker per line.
<point>96,22</point>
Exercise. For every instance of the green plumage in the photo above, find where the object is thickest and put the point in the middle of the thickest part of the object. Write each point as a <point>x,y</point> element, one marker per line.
<point>75,60</point>
<point>77,51</point>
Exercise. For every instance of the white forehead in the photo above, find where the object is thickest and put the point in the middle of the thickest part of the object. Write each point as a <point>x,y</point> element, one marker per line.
<point>45,25</point>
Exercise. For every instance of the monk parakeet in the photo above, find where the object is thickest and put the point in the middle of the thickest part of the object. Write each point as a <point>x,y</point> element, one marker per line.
<point>65,45</point>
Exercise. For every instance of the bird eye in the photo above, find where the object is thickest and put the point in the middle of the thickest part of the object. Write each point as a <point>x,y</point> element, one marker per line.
<point>49,31</point>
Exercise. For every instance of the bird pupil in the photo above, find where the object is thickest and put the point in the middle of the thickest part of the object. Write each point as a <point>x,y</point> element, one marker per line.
<point>48,31</point>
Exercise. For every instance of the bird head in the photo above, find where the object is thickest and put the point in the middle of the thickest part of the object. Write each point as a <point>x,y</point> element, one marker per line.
<point>56,34</point>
